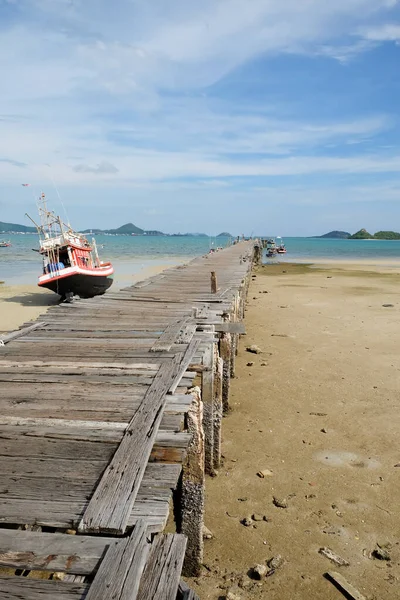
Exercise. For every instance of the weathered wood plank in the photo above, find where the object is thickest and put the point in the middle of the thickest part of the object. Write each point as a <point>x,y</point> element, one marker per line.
<point>162,573</point>
<point>19,588</point>
<point>9,337</point>
<point>113,499</point>
<point>52,551</point>
<point>169,337</point>
<point>185,592</point>
<point>122,567</point>
<point>344,586</point>
<point>186,360</point>
<point>230,327</point>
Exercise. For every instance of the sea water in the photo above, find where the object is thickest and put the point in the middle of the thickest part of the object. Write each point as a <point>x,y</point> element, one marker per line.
<point>19,264</point>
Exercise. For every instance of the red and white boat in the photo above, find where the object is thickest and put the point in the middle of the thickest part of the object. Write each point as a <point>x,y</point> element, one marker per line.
<point>71,265</point>
<point>5,244</point>
<point>280,248</point>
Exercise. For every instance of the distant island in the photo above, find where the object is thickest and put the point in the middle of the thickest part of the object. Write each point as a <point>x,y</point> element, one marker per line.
<point>362,234</point>
<point>15,228</point>
<point>127,229</point>
<point>336,235</point>
<point>224,234</point>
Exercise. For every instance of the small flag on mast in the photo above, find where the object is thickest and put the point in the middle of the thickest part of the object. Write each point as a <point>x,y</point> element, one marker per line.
<point>25,184</point>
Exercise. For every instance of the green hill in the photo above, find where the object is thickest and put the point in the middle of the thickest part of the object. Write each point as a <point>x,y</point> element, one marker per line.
<point>14,227</point>
<point>224,234</point>
<point>361,235</point>
<point>337,235</point>
<point>387,235</point>
<point>126,229</point>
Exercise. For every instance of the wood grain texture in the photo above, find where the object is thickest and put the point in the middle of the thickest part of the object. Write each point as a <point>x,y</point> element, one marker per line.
<point>9,337</point>
<point>21,588</point>
<point>52,551</point>
<point>121,569</point>
<point>169,337</point>
<point>161,576</point>
<point>113,499</point>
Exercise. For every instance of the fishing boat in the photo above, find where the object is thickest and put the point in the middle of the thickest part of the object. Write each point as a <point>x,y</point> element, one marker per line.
<point>71,265</point>
<point>280,248</point>
<point>5,244</point>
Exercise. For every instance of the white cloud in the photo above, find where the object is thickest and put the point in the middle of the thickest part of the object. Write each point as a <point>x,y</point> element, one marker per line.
<point>77,73</point>
<point>103,168</point>
<point>383,33</point>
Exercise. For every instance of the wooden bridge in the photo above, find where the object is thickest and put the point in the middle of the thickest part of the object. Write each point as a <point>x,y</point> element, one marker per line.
<point>110,414</point>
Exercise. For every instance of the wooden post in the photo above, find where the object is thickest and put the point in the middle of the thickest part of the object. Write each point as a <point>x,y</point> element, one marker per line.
<point>225,349</point>
<point>218,408</point>
<point>213,282</point>
<point>192,498</point>
<point>207,394</point>
<point>257,253</point>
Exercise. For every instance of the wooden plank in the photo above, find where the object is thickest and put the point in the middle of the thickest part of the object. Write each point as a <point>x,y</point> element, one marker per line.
<point>344,586</point>
<point>187,333</point>
<point>185,592</point>
<point>161,576</point>
<point>65,365</point>
<point>52,551</point>
<point>18,588</point>
<point>187,358</point>
<point>111,504</point>
<point>169,337</point>
<point>230,327</point>
<point>9,337</point>
<point>120,571</point>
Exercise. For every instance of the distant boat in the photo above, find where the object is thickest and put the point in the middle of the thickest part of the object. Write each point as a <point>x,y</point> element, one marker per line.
<point>281,248</point>
<point>71,265</point>
<point>5,244</point>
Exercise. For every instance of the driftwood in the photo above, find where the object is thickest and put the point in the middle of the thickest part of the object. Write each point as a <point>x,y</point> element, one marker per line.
<point>344,586</point>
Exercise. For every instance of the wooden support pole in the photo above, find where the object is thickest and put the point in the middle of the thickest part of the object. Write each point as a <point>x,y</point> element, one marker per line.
<point>192,496</point>
<point>214,285</point>
<point>207,394</point>
<point>257,253</point>
<point>218,408</point>
<point>225,350</point>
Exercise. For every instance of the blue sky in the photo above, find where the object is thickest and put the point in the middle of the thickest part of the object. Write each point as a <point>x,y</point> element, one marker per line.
<point>278,116</point>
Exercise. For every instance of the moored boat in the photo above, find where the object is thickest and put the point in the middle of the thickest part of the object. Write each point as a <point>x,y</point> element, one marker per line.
<point>281,248</point>
<point>5,244</point>
<point>71,265</point>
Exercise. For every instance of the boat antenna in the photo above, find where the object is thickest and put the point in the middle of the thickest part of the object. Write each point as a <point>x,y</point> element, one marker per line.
<point>59,197</point>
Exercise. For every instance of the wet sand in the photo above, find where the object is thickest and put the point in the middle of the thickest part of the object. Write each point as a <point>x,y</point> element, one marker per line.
<point>22,303</point>
<point>319,409</point>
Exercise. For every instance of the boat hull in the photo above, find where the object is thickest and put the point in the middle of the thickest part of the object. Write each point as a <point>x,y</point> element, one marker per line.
<point>79,284</point>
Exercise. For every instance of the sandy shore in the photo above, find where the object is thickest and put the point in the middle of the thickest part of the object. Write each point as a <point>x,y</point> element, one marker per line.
<point>22,303</point>
<point>319,409</point>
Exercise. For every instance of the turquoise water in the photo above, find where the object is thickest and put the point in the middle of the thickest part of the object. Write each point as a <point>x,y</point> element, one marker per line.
<point>18,264</point>
<point>308,249</point>
<point>129,254</point>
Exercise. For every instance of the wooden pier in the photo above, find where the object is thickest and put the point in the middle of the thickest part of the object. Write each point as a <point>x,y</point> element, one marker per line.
<point>110,417</point>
